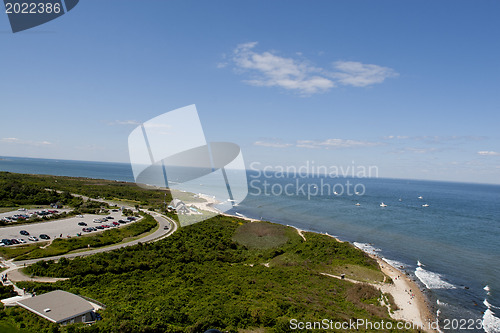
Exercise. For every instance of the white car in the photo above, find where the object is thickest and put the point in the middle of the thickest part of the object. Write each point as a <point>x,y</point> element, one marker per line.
<point>22,241</point>
<point>33,238</point>
<point>81,216</point>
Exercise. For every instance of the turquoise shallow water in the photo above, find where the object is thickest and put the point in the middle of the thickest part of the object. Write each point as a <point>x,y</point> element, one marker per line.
<point>456,238</point>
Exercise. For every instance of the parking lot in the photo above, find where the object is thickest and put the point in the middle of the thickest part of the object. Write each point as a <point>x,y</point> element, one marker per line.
<point>59,228</point>
<point>31,211</point>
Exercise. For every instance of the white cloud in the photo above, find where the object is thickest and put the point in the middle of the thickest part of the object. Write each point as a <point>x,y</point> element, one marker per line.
<point>357,74</point>
<point>436,138</point>
<point>488,153</point>
<point>336,143</point>
<point>25,142</point>
<point>270,70</point>
<point>316,144</point>
<point>417,150</point>
<point>276,144</point>
<point>125,122</point>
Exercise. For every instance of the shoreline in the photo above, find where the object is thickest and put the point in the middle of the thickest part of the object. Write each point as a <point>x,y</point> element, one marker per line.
<point>413,307</point>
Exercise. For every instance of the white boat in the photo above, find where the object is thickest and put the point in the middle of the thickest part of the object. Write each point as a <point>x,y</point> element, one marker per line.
<point>383,205</point>
<point>336,193</point>
<point>425,205</point>
<point>420,197</point>
<point>358,204</point>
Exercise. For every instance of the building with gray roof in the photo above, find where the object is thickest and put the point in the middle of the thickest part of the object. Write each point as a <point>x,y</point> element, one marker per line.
<point>60,307</point>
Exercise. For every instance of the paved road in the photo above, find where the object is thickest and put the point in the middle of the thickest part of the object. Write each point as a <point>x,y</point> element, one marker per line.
<point>157,235</point>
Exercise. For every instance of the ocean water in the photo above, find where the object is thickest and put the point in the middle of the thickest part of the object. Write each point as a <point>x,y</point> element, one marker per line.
<point>451,247</point>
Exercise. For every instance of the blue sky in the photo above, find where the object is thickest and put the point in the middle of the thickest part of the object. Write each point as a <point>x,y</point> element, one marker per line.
<point>411,87</point>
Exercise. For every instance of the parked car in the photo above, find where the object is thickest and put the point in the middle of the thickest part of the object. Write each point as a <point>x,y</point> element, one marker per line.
<point>122,222</point>
<point>33,238</point>
<point>131,218</point>
<point>110,218</point>
<point>14,241</point>
<point>24,233</point>
<point>86,230</point>
<point>6,241</point>
<point>83,224</point>
<point>44,236</point>
<point>166,227</point>
<point>80,216</point>
<point>22,241</point>
<point>116,223</point>
<point>100,227</point>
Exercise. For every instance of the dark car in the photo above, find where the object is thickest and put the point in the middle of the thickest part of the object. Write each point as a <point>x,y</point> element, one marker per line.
<point>110,218</point>
<point>86,230</point>
<point>83,224</point>
<point>122,222</point>
<point>24,233</point>
<point>14,241</point>
<point>6,241</point>
<point>44,236</point>
<point>100,227</point>
<point>131,218</point>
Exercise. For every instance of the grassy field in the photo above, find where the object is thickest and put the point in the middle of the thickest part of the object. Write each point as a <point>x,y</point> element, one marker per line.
<point>262,235</point>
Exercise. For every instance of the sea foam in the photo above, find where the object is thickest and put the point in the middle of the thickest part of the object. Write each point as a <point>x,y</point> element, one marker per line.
<point>491,324</point>
<point>432,280</point>
<point>368,248</point>
<point>394,263</point>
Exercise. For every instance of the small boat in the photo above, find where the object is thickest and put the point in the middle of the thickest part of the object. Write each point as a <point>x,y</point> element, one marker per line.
<point>400,199</point>
<point>358,204</point>
<point>383,205</point>
<point>357,192</point>
<point>420,197</point>
<point>425,205</point>
<point>336,193</point>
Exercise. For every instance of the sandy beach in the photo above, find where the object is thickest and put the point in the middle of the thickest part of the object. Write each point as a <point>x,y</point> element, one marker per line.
<point>412,304</point>
<point>209,206</point>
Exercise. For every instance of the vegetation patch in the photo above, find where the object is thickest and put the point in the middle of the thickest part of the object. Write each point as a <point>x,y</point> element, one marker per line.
<point>261,235</point>
<point>201,277</point>
<point>357,272</point>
